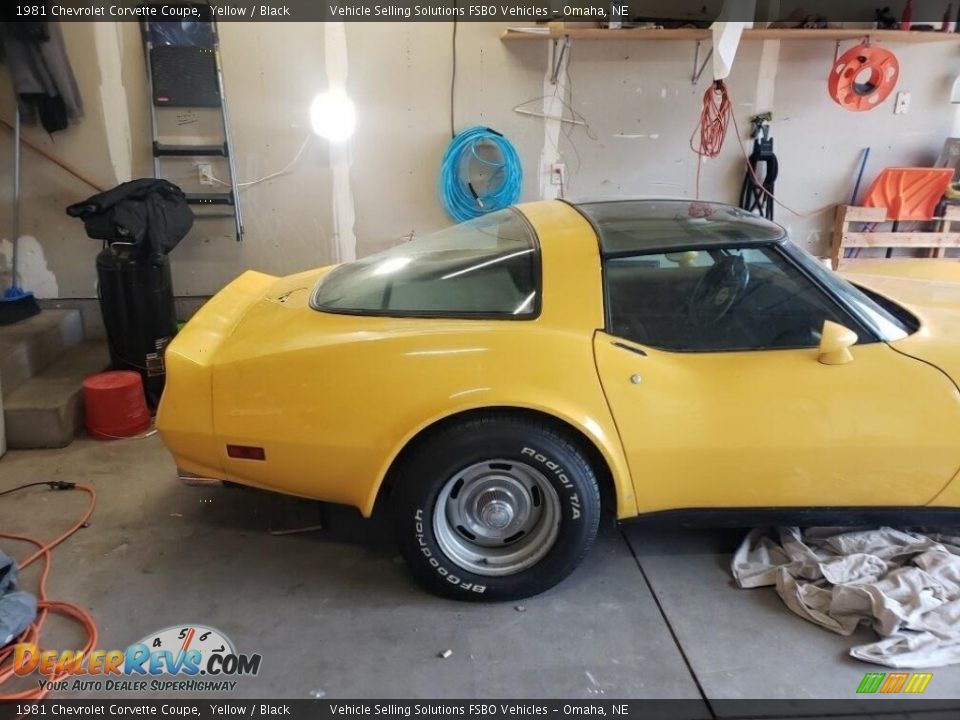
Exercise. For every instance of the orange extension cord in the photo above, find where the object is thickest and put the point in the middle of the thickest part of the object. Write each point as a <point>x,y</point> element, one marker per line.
<point>44,606</point>
<point>712,127</point>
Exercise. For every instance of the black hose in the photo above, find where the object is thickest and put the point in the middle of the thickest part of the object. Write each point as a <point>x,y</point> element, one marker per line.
<point>53,484</point>
<point>759,198</point>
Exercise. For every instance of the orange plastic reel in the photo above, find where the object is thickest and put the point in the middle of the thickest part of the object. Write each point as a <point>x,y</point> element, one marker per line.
<point>863,77</point>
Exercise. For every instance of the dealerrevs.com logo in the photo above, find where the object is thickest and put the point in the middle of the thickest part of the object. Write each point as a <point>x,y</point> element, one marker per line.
<point>181,658</point>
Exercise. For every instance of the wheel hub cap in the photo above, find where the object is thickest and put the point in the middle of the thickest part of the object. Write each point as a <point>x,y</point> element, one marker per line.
<point>496,510</point>
<point>497,517</point>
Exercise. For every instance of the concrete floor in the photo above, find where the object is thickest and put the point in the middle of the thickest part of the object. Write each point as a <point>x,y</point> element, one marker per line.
<point>652,612</point>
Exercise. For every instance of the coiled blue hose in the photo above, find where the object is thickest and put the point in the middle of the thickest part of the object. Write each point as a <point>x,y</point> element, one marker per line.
<point>459,197</point>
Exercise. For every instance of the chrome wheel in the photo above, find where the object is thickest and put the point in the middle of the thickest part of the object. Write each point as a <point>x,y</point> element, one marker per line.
<point>497,517</point>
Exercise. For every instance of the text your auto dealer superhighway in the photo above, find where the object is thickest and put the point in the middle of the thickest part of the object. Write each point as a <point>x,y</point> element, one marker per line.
<point>118,11</point>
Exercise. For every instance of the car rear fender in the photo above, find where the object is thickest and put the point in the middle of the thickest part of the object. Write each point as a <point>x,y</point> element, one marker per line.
<point>596,434</point>
<point>185,415</point>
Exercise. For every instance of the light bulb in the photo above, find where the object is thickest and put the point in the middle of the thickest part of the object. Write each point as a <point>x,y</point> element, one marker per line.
<point>333,116</point>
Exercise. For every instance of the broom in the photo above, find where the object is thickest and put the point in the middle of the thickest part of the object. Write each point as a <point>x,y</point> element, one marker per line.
<point>16,303</point>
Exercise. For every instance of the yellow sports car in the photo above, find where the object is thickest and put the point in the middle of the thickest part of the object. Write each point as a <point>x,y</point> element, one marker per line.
<point>495,380</point>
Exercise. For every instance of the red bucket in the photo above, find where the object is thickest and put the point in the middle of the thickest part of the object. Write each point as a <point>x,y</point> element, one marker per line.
<point>114,405</point>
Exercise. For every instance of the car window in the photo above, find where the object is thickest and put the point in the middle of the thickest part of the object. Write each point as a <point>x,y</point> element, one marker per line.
<point>890,321</point>
<point>717,300</point>
<point>485,267</point>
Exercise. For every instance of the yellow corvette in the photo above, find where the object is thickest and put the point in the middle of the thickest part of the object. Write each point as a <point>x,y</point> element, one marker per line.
<point>501,376</point>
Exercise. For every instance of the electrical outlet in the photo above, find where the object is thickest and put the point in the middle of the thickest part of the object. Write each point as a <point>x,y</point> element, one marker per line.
<point>903,103</point>
<point>558,174</point>
<point>205,173</point>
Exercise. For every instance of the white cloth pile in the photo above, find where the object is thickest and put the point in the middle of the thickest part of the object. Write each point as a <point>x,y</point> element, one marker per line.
<point>905,584</point>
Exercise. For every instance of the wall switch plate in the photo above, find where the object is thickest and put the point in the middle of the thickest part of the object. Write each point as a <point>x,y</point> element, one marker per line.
<point>205,173</point>
<point>903,103</point>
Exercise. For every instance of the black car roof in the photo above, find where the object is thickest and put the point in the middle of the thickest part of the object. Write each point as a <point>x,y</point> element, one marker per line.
<point>627,227</point>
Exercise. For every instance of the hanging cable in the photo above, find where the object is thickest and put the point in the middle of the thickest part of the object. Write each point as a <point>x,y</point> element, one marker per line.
<point>287,168</point>
<point>453,79</point>
<point>503,179</point>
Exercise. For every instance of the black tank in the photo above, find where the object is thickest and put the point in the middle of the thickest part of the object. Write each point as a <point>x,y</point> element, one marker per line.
<point>136,301</point>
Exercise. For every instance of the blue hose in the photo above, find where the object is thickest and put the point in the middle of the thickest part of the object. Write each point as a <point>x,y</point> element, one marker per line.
<point>459,197</point>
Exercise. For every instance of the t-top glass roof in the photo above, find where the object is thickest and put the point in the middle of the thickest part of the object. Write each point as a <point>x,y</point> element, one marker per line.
<point>641,226</point>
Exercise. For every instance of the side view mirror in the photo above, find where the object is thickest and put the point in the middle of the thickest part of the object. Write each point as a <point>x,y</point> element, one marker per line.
<point>835,341</point>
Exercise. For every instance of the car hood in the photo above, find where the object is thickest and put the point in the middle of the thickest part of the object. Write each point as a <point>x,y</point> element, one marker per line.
<point>930,289</point>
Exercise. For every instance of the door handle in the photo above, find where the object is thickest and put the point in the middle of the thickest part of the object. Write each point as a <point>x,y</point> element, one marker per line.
<point>629,348</point>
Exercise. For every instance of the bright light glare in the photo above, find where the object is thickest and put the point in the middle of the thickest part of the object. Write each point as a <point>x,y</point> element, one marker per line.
<point>333,116</point>
<point>485,264</point>
<point>525,305</point>
<point>391,265</point>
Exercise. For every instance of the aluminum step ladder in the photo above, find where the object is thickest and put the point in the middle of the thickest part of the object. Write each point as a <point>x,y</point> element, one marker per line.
<point>185,80</point>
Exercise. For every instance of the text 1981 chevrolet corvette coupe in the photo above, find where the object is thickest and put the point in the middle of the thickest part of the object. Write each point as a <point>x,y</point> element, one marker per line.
<point>501,375</point>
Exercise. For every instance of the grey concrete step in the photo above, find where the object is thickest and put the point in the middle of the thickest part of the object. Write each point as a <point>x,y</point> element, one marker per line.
<point>30,346</point>
<point>47,410</point>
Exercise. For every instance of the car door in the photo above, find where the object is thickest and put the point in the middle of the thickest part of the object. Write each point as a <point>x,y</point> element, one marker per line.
<point>734,409</point>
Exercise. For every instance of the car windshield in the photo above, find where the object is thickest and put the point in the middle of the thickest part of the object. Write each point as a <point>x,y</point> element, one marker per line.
<point>487,267</point>
<point>889,325</point>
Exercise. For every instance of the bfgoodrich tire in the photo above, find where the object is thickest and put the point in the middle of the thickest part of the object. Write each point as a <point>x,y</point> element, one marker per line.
<point>495,508</point>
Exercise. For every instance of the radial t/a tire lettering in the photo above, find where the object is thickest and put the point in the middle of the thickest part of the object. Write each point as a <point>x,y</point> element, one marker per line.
<point>495,508</point>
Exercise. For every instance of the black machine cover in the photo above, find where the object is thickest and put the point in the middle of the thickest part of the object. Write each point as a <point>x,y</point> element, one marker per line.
<point>152,214</point>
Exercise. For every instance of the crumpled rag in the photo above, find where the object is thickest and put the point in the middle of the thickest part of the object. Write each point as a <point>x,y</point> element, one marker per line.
<point>17,608</point>
<point>904,583</point>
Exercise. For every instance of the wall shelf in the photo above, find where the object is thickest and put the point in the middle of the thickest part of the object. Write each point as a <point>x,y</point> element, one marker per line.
<point>579,33</point>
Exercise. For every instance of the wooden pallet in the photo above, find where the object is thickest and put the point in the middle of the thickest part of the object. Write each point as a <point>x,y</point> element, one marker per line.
<point>935,242</point>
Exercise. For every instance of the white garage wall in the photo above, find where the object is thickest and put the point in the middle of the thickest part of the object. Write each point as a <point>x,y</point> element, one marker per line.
<point>637,98</point>
<point>642,107</point>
